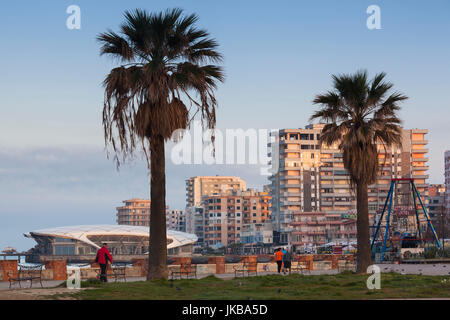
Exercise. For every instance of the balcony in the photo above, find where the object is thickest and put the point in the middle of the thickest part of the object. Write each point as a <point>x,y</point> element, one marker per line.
<point>342,203</point>
<point>291,203</point>
<point>419,150</point>
<point>291,194</point>
<point>284,186</point>
<point>284,168</point>
<point>290,177</point>
<point>423,176</point>
<point>329,151</point>
<point>296,150</point>
<point>422,168</point>
<point>419,142</point>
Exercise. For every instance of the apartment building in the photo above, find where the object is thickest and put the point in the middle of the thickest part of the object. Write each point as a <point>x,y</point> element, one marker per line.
<point>318,228</point>
<point>134,212</point>
<point>257,237</point>
<point>447,193</point>
<point>447,182</point>
<point>436,208</point>
<point>176,220</point>
<point>195,223</point>
<point>295,187</point>
<point>226,214</point>
<point>197,187</point>
<point>312,177</point>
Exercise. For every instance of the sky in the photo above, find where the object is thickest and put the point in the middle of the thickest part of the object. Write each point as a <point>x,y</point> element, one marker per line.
<point>277,56</point>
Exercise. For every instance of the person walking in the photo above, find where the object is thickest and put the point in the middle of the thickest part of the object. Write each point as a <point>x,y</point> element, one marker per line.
<point>102,258</point>
<point>279,259</point>
<point>287,258</point>
<point>284,252</point>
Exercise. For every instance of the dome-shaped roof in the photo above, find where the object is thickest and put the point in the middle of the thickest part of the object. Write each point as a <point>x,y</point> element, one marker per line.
<point>82,232</point>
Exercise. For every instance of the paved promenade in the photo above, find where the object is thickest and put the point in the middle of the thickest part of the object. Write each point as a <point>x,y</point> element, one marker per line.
<point>36,292</point>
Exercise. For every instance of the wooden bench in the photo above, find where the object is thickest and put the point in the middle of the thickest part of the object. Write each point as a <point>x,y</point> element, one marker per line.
<point>116,271</point>
<point>348,265</point>
<point>27,273</point>
<point>119,272</point>
<point>185,269</point>
<point>249,267</point>
<point>300,267</point>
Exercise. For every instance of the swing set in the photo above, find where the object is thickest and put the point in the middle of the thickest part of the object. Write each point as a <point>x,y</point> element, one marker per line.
<point>402,229</point>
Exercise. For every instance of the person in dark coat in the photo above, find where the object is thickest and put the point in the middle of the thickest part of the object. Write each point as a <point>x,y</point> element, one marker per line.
<point>287,259</point>
<point>102,258</point>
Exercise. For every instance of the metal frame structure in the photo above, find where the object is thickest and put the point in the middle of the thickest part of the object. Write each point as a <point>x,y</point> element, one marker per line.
<point>388,203</point>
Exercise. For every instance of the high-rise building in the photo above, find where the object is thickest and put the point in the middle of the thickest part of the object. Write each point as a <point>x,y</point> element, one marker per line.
<point>134,212</point>
<point>195,223</point>
<point>176,220</point>
<point>197,187</point>
<point>295,187</point>
<point>447,190</point>
<point>436,208</point>
<point>226,214</point>
<point>312,177</point>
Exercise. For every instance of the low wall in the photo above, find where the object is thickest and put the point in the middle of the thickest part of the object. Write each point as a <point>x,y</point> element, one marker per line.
<point>57,269</point>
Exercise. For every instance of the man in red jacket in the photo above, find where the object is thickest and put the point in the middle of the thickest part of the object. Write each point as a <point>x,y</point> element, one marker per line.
<point>102,258</point>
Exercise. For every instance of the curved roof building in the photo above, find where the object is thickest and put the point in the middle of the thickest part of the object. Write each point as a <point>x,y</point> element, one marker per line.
<point>122,240</point>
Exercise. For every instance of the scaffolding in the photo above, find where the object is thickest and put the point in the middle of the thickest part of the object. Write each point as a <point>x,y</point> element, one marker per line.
<point>405,214</point>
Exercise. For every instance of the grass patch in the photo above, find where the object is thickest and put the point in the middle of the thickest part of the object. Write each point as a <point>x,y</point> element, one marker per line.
<point>341,286</point>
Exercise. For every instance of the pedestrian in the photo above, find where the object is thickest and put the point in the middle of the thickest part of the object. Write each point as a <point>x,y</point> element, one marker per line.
<point>287,258</point>
<point>279,259</point>
<point>102,258</point>
<point>284,252</point>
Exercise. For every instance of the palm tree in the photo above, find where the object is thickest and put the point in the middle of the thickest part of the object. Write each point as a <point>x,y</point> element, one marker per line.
<point>164,68</point>
<point>359,115</point>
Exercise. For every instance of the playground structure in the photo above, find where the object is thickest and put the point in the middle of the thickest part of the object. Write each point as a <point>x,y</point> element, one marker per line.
<point>407,230</point>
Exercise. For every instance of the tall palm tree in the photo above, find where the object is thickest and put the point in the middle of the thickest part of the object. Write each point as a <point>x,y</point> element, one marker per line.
<point>359,115</point>
<point>167,67</point>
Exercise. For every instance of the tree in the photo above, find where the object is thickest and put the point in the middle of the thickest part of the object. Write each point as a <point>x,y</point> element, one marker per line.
<point>166,65</point>
<point>359,116</point>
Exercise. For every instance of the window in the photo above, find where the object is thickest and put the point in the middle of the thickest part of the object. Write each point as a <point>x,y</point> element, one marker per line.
<point>64,250</point>
<point>304,136</point>
<point>57,239</point>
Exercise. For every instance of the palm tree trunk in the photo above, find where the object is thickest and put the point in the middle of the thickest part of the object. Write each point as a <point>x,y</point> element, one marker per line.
<point>363,258</point>
<point>158,237</point>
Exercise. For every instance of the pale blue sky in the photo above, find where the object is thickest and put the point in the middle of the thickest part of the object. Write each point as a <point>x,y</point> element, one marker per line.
<point>278,55</point>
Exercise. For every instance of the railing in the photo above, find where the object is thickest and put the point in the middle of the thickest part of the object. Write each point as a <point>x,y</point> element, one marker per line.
<point>18,255</point>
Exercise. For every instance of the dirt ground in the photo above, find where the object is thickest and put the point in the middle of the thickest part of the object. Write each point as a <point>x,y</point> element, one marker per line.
<point>34,294</point>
